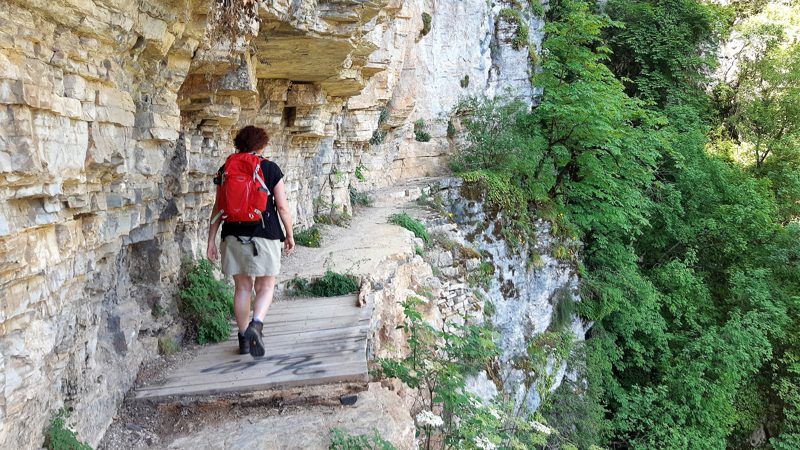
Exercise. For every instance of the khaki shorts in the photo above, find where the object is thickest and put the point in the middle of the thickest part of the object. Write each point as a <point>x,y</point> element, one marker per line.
<point>238,258</point>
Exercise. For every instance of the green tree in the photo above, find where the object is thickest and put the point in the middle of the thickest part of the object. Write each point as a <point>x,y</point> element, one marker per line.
<point>664,47</point>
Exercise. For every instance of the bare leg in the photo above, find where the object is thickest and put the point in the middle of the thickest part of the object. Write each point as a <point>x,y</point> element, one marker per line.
<point>241,300</point>
<point>265,288</point>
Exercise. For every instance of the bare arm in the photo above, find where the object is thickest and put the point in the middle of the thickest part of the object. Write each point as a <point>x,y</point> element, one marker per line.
<point>285,214</point>
<point>212,253</point>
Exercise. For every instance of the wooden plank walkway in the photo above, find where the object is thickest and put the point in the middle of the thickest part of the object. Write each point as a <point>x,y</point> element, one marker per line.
<point>308,341</point>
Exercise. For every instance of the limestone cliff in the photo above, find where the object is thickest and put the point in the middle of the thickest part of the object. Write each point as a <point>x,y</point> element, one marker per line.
<point>113,116</point>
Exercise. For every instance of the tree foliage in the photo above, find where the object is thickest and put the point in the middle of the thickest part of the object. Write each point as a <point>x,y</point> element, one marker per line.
<point>690,271</point>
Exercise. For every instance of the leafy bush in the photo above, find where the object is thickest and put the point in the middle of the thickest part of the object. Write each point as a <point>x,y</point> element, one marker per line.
<point>411,224</point>
<point>464,82</point>
<point>341,440</point>
<point>359,173</point>
<point>482,276</point>
<point>310,237</point>
<point>383,116</point>
<point>451,129</point>
<point>426,24</point>
<point>331,284</point>
<point>563,311</point>
<point>378,137</point>
<point>207,303</point>
<point>437,364</point>
<point>59,437</point>
<point>359,198</point>
<point>514,16</point>
<point>420,134</point>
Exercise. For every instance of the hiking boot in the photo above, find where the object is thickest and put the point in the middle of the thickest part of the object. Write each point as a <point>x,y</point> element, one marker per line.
<point>244,344</point>
<point>253,336</point>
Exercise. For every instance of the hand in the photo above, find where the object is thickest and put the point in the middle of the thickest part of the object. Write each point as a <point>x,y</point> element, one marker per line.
<point>288,245</point>
<point>212,253</point>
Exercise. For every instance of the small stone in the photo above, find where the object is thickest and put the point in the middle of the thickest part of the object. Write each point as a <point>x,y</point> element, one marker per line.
<point>348,399</point>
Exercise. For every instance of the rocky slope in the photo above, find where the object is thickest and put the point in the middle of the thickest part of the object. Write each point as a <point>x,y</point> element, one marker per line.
<point>113,115</point>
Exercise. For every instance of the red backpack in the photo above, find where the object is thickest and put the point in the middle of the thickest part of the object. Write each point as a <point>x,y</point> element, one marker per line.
<point>242,195</point>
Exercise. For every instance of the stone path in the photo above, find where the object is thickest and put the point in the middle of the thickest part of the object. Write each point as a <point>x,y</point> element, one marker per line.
<point>308,341</point>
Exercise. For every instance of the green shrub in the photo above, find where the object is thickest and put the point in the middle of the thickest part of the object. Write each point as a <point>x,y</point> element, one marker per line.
<point>563,311</point>
<point>536,8</point>
<point>384,115</point>
<point>501,191</point>
<point>438,363</point>
<point>465,81</point>
<point>420,134</point>
<point>426,24</point>
<point>359,198</point>
<point>331,284</point>
<point>207,303</point>
<point>451,129</point>
<point>514,16</point>
<point>533,56</point>
<point>360,169</point>
<point>377,137</point>
<point>59,437</point>
<point>341,440</point>
<point>482,276</point>
<point>411,224</point>
<point>562,253</point>
<point>535,260</point>
<point>309,238</point>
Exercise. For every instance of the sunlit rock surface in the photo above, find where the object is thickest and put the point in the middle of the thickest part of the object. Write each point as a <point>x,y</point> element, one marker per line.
<point>526,287</point>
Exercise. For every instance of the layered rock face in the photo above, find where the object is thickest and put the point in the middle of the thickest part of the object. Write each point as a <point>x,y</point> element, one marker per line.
<point>115,114</point>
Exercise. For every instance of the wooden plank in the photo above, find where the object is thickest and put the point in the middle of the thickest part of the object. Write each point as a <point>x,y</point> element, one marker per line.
<point>281,316</point>
<point>350,301</point>
<point>272,320</point>
<point>320,337</point>
<point>300,328</point>
<point>200,365</point>
<point>297,366</point>
<point>221,388</point>
<point>271,374</point>
<point>244,375</point>
<point>308,341</point>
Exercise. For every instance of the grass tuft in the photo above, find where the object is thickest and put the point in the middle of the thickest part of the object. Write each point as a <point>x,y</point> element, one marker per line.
<point>331,284</point>
<point>411,224</point>
<point>309,238</point>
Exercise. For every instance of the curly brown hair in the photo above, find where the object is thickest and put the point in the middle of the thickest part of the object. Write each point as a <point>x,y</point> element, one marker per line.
<point>250,139</point>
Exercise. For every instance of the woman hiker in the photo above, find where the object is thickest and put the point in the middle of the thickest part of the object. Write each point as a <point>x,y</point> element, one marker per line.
<point>251,235</point>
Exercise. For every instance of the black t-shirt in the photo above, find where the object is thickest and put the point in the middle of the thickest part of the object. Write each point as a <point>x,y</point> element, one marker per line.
<point>271,229</point>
